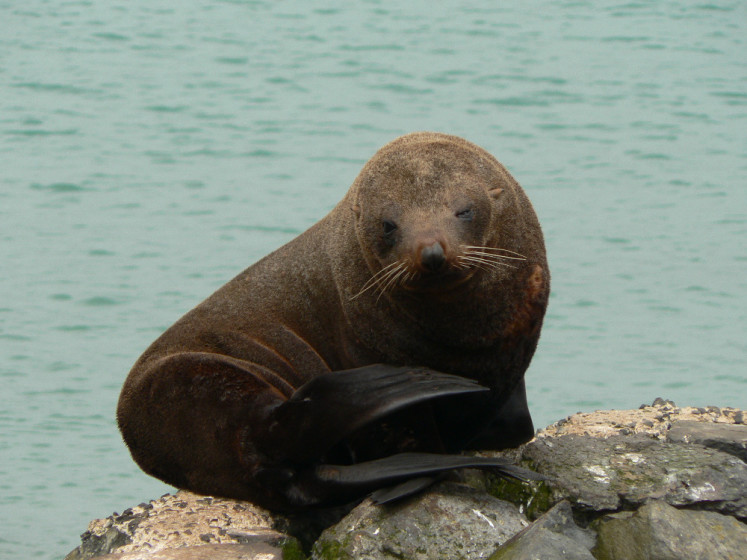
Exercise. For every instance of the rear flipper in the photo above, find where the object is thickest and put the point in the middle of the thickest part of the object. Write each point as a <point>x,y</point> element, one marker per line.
<point>333,405</point>
<point>407,473</point>
<point>411,486</point>
<point>404,489</point>
<point>329,409</point>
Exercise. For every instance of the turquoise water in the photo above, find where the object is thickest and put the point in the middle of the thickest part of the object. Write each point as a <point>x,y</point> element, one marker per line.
<point>152,150</point>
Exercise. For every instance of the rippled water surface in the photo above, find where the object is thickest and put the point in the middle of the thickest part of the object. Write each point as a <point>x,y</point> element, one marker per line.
<point>152,150</point>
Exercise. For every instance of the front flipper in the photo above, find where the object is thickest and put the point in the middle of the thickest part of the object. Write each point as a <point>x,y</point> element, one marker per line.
<point>333,405</point>
<point>510,426</point>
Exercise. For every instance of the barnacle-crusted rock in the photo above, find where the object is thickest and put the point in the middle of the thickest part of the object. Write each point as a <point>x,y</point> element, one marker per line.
<point>180,521</point>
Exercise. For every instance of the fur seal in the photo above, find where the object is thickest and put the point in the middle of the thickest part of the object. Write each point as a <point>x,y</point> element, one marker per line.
<point>365,353</point>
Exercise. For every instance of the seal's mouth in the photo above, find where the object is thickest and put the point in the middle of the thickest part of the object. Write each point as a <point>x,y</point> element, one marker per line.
<point>403,276</point>
<point>440,281</point>
<point>432,270</point>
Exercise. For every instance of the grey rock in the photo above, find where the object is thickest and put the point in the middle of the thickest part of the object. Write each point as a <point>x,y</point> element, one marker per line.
<point>729,438</point>
<point>647,460</point>
<point>622,472</point>
<point>94,545</point>
<point>543,544</point>
<point>658,530</point>
<point>554,535</point>
<point>450,521</point>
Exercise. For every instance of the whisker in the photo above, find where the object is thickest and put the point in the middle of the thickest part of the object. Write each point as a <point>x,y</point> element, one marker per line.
<point>394,277</point>
<point>492,263</point>
<point>390,277</point>
<point>498,262</point>
<point>495,256</point>
<point>377,278</point>
<point>461,265</point>
<point>480,266</point>
<point>484,248</point>
<point>484,259</point>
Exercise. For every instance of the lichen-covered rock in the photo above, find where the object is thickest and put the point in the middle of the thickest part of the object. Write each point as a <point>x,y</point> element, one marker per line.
<point>658,530</point>
<point>449,521</point>
<point>180,520</point>
<point>600,475</point>
<point>554,535</point>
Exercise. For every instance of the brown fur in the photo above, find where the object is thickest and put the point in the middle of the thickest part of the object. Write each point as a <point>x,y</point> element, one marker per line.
<point>194,407</point>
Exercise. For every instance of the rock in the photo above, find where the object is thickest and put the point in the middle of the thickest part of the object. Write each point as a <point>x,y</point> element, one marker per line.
<point>653,420</point>
<point>658,530</point>
<point>724,437</point>
<point>449,521</point>
<point>543,544</point>
<point>619,472</point>
<point>554,535</point>
<point>601,475</point>
<point>178,521</point>
<point>257,551</point>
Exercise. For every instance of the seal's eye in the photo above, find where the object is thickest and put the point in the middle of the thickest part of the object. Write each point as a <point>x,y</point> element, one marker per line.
<point>467,214</point>
<point>389,227</point>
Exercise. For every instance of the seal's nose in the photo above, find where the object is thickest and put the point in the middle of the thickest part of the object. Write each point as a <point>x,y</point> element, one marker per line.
<point>432,257</point>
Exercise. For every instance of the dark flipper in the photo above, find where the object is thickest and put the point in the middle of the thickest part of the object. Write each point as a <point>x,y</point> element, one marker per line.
<point>514,420</point>
<point>510,426</point>
<point>403,489</point>
<point>409,473</point>
<point>330,408</point>
<point>333,405</point>
<point>406,465</point>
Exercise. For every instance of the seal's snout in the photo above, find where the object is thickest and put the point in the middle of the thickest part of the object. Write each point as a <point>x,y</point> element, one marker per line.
<point>432,257</point>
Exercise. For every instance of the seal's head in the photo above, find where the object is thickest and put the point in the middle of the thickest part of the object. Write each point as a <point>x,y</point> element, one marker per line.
<point>426,208</point>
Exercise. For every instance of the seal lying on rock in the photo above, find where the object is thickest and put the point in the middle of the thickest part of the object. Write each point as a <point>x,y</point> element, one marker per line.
<point>391,333</point>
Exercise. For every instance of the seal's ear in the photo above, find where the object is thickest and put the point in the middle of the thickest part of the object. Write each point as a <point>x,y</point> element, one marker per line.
<point>356,210</point>
<point>495,193</point>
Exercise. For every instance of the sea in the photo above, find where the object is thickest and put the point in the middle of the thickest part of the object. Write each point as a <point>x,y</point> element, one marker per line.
<point>151,150</point>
